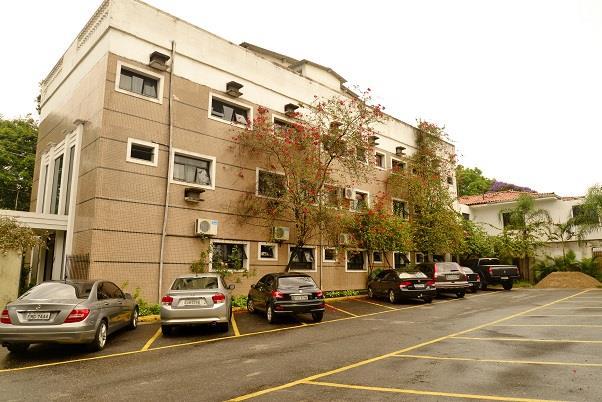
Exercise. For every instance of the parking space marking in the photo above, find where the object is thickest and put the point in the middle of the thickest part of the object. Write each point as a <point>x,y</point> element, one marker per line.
<point>375,304</point>
<point>151,340</point>
<point>550,325</point>
<point>234,326</point>
<point>425,393</point>
<point>132,352</point>
<point>392,354</point>
<point>469,359</point>
<point>474,338</point>
<point>572,308</point>
<point>565,315</point>
<point>341,310</point>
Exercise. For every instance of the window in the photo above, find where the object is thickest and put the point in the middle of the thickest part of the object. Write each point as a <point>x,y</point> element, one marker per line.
<point>270,184</point>
<point>56,185</point>
<point>267,251</point>
<point>229,255</point>
<point>397,166</point>
<point>450,180</point>
<point>302,258</point>
<point>330,254</point>
<point>332,196</point>
<point>419,258</point>
<point>400,260</point>
<point>377,257</point>
<point>355,260</point>
<point>138,83</point>
<point>142,152</point>
<point>584,215</point>
<point>379,160</point>
<point>194,169</point>
<point>360,201</point>
<point>69,178</point>
<point>44,181</point>
<point>400,208</point>
<point>281,125</point>
<point>360,153</point>
<point>229,112</point>
<point>465,216</point>
<point>509,221</point>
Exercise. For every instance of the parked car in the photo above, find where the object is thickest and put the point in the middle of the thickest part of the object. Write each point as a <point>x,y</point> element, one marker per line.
<point>66,312</point>
<point>197,299</point>
<point>473,279</point>
<point>448,277</point>
<point>286,293</point>
<point>397,285</point>
<point>492,272</point>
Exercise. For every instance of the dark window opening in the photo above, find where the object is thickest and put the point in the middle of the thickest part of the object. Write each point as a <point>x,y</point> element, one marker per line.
<point>400,209</point>
<point>138,83</point>
<point>192,170</point>
<point>302,258</point>
<point>142,152</point>
<point>229,255</point>
<point>270,184</point>
<point>229,112</point>
<point>355,260</point>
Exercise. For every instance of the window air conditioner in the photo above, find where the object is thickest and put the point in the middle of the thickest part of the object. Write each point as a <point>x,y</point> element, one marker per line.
<point>344,239</point>
<point>280,233</point>
<point>349,193</point>
<point>206,227</point>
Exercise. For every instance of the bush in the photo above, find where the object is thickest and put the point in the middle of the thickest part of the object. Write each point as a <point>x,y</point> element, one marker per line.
<point>239,301</point>
<point>568,262</point>
<point>341,293</point>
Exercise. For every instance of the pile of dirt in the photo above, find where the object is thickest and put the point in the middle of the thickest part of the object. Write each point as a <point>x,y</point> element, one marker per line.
<point>569,280</point>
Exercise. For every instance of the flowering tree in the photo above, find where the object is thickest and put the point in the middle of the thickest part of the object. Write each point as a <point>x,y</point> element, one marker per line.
<point>311,155</point>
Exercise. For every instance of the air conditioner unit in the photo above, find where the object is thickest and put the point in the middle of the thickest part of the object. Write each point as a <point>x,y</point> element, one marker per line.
<point>280,233</point>
<point>158,60</point>
<point>233,89</point>
<point>206,227</point>
<point>399,151</point>
<point>192,194</point>
<point>349,193</point>
<point>344,239</point>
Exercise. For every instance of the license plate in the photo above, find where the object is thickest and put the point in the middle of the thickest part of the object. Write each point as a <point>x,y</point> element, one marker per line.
<point>452,277</point>
<point>195,302</point>
<point>298,297</point>
<point>419,285</point>
<point>504,277</point>
<point>38,316</point>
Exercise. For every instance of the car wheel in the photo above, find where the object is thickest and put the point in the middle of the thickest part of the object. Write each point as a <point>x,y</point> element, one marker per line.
<point>428,300</point>
<point>392,296</point>
<point>317,316</point>
<point>17,347</point>
<point>134,320</point>
<point>269,313</point>
<point>370,293</point>
<point>250,305</point>
<point>100,338</point>
<point>461,294</point>
<point>483,283</point>
<point>475,289</point>
<point>507,285</point>
<point>166,330</point>
<point>223,326</point>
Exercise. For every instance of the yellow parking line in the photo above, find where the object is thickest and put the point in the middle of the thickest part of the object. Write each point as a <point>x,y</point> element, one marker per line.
<point>572,308</point>
<point>341,310</point>
<point>151,340</point>
<point>550,325</point>
<point>565,315</point>
<point>234,326</point>
<point>388,355</point>
<point>375,304</point>
<point>427,393</point>
<point>183,344</point>
<point>471,338</point>
<point>469,359</point>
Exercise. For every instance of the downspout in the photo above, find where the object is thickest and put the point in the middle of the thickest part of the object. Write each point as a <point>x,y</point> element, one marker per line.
<point>169,171</point>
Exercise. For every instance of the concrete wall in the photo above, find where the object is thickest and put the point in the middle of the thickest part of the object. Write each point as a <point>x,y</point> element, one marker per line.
<point>10,273</point>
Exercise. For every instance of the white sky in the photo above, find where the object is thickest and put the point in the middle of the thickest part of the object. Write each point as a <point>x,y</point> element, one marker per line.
<point>518,84</point>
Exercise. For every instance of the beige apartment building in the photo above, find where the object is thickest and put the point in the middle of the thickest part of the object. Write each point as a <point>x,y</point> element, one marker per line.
<point>143,104</point>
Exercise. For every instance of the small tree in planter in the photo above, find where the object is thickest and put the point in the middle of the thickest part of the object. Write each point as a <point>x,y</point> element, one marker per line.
<point>312,153</point>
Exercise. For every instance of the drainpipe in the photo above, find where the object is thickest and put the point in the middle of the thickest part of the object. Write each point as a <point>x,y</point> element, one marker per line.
<point>169,171</point>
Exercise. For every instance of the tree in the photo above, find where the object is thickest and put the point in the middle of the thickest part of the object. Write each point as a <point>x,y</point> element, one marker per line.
<point>497,185</point>
<point>589,212</point>
<point>312,153</point>
<point>435,225</point>
<point>471,181</point>
<point>477,242</point>
<point>15,237</point>
<point>18,139</point>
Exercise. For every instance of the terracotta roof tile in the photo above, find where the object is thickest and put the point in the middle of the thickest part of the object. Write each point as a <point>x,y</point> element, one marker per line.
<point>500,196</point>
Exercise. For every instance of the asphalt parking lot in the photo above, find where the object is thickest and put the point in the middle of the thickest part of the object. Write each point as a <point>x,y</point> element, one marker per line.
<point>520,345</point>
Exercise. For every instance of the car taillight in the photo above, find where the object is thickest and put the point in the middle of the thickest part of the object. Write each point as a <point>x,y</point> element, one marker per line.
<point>167,300</point>
<point>435,270</point>
<point>405,284</point>
<point>430,283</point>
<point>490,270</point>
<point>5,318</point>
<point>77,315</point>
<point>318,294</point>
<point>478,278</point>
<point>277,295</point>
<point>218,298</point>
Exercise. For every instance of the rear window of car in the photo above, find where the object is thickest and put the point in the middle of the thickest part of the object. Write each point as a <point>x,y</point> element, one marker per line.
<point>489,261</point>
<point>295,282</point>
<point>52,291</point>
<point>207,282</point>
<point>467,270</point>
<point>411,274</point>
<point>447,266</point>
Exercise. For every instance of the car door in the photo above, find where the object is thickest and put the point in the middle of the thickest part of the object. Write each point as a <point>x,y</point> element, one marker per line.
<point>266,291</point>
<point>108,305</point>
<point>125,311</point>
<point>389,282</point>
<point>377,285</point>
<point>257,293</point>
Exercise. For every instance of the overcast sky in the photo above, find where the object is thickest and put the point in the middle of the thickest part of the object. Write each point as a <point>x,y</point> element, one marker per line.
<point>518,84</point>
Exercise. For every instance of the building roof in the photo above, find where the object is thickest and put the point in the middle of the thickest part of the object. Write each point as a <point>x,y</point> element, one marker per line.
<point>500,197</point>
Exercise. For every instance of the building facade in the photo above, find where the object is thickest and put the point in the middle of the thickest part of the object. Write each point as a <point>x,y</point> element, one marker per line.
<point>138,117</point>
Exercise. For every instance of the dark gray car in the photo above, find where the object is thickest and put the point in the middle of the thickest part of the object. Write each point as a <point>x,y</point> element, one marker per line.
<point>69,311</point>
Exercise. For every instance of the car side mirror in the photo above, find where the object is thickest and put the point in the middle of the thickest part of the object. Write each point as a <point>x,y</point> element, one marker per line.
<point>253,286</point>
<point>128,296</point>
<point>231,286</point>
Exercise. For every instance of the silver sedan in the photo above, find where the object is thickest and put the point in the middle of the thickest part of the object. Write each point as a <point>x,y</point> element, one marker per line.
<point>197,299</point>
<point>69,311</point>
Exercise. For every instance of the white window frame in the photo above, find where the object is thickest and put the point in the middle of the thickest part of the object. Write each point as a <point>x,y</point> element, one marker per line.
<point>416,257</point>
<point>352,202</point>
<point>315,263</point>
<point>226,99</point>
<point>274,245</point>
<point>209,158</point>
<point>384,167</point>
<point>324,260</point>
<point>136,141</point>
<point>257,169</point>
<point>399,252</point>
<point>247,246</point>
<point>393,158</point>
<point>393,199</point>
<point>365,260</point>
<point>141,71</point>
<point>382,257</point>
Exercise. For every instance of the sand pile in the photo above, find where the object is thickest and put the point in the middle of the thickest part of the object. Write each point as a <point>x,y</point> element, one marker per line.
<point>569,280</point>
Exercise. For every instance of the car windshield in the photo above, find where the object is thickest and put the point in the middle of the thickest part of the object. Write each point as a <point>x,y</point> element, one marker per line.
<point>447,266</point>
<point>467,270</point>
<point>49,290</point>
<point>206,282</point>
<point>296,282</point>
<point>411,274</point>
<point>489,261</point>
